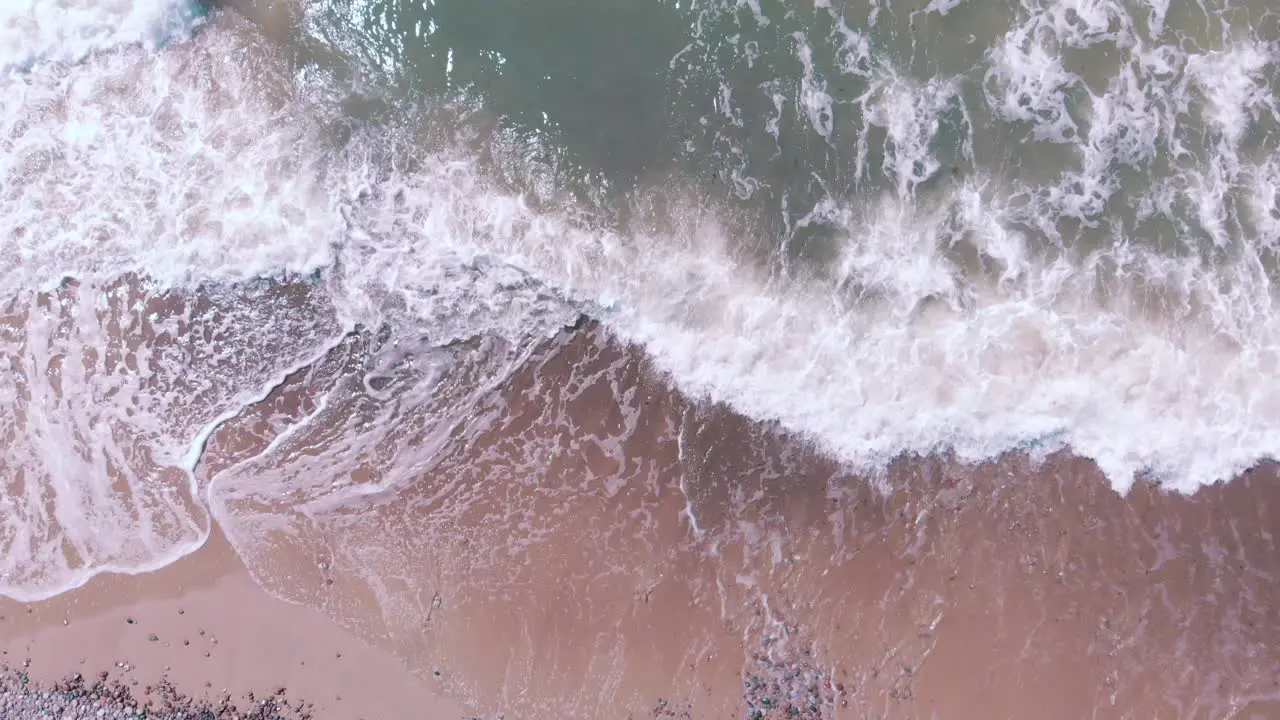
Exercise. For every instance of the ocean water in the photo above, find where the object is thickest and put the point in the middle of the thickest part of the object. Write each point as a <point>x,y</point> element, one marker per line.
<point>271,263</point>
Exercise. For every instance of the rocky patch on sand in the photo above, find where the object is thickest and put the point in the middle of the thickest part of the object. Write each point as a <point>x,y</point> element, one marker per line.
<point>104,698</point>
<point>783,680</point>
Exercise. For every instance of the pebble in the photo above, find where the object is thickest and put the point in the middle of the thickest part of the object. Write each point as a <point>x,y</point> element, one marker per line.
<point>788,684</point>
<point>77,699</point>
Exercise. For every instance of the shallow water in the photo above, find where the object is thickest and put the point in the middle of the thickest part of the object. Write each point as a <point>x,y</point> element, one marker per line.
<point>669,345</point>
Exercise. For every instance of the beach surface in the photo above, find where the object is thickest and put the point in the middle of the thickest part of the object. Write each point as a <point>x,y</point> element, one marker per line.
<point>642,359</point>
<point>205,628</point>
<point>688,562</point>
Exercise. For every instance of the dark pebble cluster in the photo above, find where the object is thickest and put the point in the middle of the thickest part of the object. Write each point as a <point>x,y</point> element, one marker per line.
<point>106,699</point>
<point>789,688</point>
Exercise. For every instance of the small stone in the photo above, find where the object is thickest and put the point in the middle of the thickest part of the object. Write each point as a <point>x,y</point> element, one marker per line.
<point>131,621</point>
<point>153,637</point>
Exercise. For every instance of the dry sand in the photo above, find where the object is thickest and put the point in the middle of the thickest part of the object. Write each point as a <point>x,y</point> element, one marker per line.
<point>205,625</point>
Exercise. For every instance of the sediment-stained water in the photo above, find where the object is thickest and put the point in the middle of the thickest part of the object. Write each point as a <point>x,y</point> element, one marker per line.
<point>702,359</point>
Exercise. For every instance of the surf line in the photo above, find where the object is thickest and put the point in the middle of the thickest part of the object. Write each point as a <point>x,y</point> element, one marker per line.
<point>191,460</point>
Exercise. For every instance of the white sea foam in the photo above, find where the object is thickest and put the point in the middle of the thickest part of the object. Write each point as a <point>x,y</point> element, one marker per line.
<point>928,358</point>
<point>912,117</point>
<point>813,91</point>
<point>1234,85</point>
<point>942,7</point>
<point>1026,82</point>
<point>134,161</point>
<point>906,349</point>
<point>33,31</point>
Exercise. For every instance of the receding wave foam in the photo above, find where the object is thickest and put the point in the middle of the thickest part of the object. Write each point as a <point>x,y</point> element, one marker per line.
<point>35,31</point>
<point>957,313</point>
<point>135,161</point>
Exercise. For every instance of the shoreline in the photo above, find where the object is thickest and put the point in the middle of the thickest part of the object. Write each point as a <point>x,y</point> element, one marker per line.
<point>200,635</point>
<point>202,628</point>
<point>647,360</point>
<point>608,547</point>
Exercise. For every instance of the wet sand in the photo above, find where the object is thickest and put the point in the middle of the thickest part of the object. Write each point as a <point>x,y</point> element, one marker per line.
<point>590,543</point>
<point>203,626</point>
<point>593,544</point>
